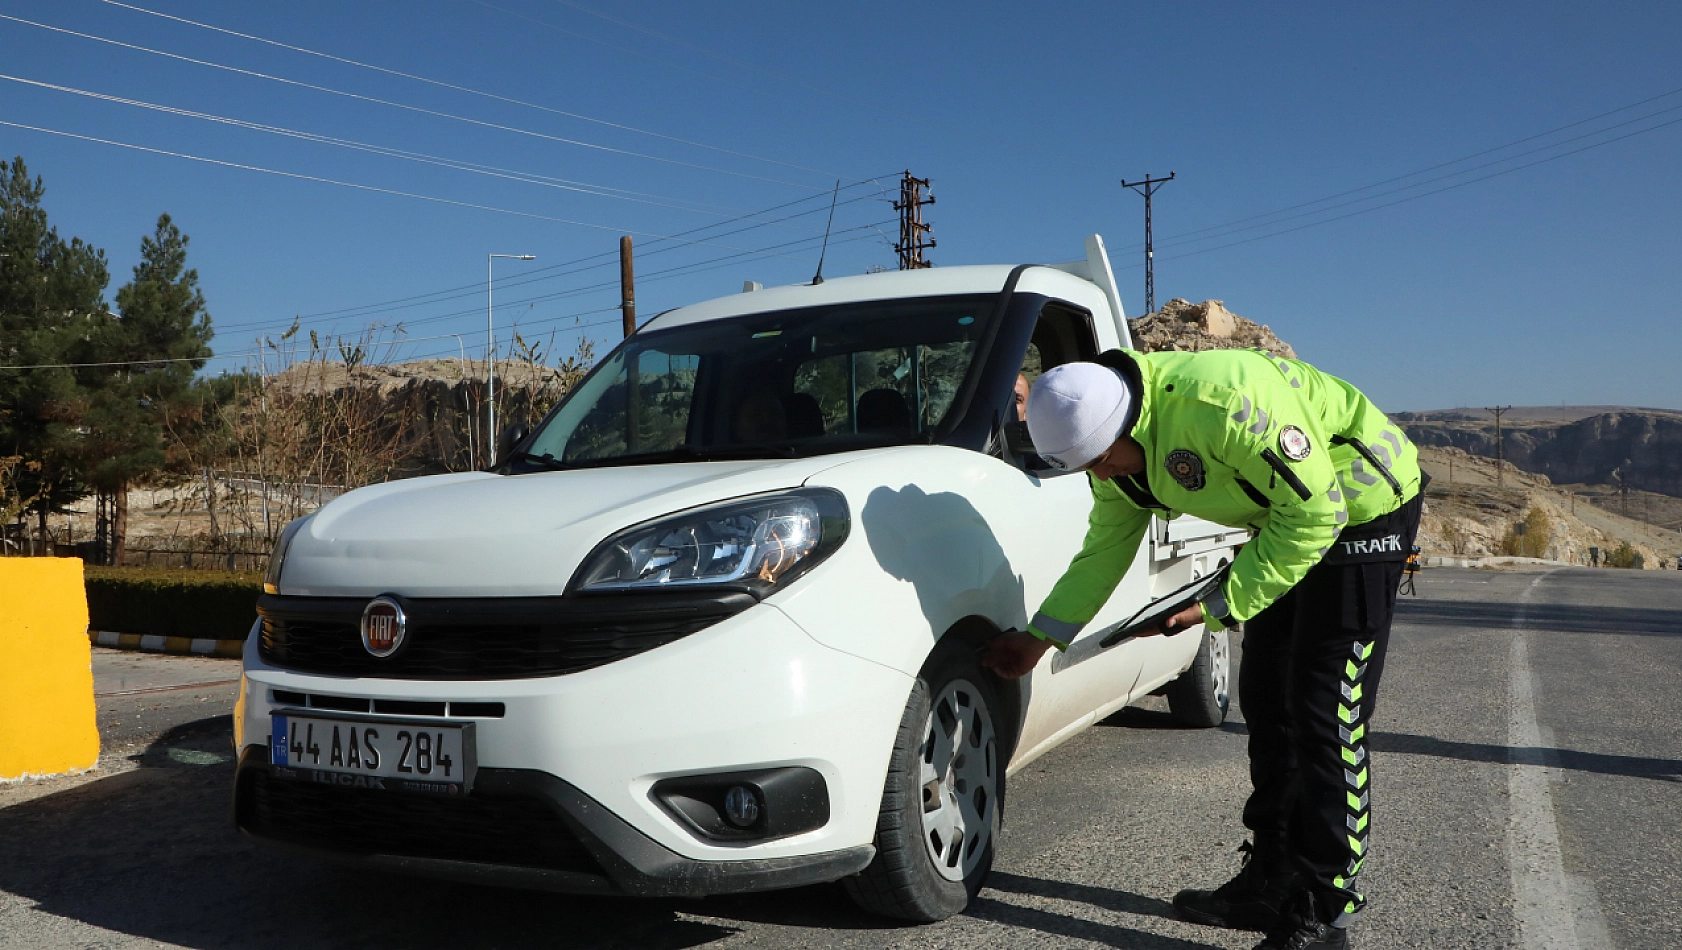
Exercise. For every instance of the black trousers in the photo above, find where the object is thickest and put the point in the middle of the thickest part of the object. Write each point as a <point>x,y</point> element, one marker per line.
<point>1308,685</point>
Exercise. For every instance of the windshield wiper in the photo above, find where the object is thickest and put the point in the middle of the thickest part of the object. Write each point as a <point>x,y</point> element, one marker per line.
<point>547,460</point>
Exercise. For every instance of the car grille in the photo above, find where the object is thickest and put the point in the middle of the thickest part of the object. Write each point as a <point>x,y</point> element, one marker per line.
<point>518,832</point>
<point>504,638</point>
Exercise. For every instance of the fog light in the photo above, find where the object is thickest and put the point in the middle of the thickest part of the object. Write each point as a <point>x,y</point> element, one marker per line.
<point>741,806</point>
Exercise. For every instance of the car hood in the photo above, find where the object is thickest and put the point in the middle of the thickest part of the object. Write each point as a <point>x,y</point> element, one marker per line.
<point>475,534</point>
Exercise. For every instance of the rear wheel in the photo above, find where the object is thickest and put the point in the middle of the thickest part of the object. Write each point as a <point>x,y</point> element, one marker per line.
<point>1201,695</point>
<point>940,805</point>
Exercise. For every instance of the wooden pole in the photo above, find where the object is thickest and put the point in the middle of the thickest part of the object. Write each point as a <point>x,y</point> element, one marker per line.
<point>628,308</point>
<point>627,286</point>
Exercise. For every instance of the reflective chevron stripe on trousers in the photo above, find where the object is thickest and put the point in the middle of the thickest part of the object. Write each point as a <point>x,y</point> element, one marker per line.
<point>1308,685</point>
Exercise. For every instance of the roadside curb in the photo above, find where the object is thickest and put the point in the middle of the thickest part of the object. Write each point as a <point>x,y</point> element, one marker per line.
<point>182,646</point>
<point>1433,560</point>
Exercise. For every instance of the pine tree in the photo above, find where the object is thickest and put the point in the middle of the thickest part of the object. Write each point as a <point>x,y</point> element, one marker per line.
<point>52,311</point>
<point>162,317</point>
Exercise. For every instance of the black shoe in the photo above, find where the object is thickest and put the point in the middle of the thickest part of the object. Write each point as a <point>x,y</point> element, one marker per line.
<point>1253,900</point>
<point>1302,929</point>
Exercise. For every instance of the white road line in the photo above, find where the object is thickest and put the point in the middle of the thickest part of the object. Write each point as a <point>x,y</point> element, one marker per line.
<point>1543,898</point>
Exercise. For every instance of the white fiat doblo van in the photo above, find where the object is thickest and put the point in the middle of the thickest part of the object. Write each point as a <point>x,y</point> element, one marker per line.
<point>712,625</point>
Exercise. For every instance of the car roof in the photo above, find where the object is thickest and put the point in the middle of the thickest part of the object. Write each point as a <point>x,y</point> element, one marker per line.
<point>925,282</point>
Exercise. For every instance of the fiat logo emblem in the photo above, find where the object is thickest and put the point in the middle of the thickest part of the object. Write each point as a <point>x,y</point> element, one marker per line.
<point>383,626</point>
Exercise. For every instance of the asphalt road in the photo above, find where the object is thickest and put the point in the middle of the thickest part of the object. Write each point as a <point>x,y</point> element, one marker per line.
<point>1526,763</point>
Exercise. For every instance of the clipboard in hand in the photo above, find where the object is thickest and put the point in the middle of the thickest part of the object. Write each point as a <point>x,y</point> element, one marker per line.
<point>1152,614</point>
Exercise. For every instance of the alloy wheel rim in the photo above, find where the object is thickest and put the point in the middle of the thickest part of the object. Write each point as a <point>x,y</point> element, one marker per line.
<point>1220,666</point>
<point>959,780</point>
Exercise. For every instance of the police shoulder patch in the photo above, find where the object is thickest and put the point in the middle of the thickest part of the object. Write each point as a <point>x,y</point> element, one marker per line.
<point>1293,442</point>
<point>1185,467</point>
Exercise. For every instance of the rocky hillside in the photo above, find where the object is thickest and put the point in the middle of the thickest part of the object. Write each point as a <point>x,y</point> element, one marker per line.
<point>1192,327</point>
<point>1468,512</point>
<point>1643,445</point>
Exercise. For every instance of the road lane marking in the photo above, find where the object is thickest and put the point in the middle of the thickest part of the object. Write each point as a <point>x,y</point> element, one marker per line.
<point>1544,898</point>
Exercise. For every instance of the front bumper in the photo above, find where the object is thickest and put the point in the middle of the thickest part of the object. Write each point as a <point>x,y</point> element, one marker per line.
<point>549,836</point>
<point>751,692</point>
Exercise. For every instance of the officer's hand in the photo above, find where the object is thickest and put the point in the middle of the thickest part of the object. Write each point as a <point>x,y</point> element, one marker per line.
<point>1014,653</point>
<point>1182,621</point>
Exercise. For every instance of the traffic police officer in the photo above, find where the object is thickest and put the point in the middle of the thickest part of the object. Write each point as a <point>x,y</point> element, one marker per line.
<point>1332,489</point>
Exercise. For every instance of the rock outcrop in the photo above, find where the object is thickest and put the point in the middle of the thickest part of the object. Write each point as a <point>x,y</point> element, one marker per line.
<point>1191,327</point>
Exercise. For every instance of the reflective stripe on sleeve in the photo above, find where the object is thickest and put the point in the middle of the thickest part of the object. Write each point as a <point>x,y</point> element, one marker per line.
<point>1059,632</point>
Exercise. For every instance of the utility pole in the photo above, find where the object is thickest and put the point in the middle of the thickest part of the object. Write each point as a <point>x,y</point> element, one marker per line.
<point>911,227</point>
<point>1147,188</point>
<point>627,286</point>
<point>1499,481</point>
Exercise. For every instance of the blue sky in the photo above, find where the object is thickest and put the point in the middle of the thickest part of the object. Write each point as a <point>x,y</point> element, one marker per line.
<point>1549,284</point>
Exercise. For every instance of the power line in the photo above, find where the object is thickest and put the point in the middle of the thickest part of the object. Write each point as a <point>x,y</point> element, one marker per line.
<point>713,265</point>
<point>1186,236</point>
<point>404,106</point>
<point>1437,191</point>
<point>472,290</point>
<point>631,52</point>
<point>467,89</point>
<point>662,274</point>
<point>1466,171</point>
<point>707,52</point>
<point>695,267</point>
<point>531,178</point>
<point>346,184</point>
<point>609,284</point>
<point>473,287</point>
<point>698,267</point>
<point>1431,168</point>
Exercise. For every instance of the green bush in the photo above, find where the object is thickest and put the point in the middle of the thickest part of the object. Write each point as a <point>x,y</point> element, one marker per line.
<point>173,602</point>
<point>1624,555</point>
<point>1538,531</point>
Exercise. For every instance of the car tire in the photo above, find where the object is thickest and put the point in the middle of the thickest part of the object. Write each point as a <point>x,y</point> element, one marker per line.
<point>1201,695</point>
<point>942,800</point>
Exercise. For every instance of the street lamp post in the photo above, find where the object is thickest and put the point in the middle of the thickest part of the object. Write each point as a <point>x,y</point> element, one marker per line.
<point>490,355</point>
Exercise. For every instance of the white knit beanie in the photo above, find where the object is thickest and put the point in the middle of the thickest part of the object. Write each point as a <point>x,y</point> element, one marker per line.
<point>1076,411</point>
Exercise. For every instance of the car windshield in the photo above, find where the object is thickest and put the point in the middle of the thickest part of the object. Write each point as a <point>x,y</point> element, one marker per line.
<point>785,383</point>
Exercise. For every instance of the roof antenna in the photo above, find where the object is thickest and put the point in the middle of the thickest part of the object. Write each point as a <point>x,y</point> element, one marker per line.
<point>818,278</point>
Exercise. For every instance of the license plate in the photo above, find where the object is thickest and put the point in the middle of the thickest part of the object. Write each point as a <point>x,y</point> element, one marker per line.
<point>430,758</point>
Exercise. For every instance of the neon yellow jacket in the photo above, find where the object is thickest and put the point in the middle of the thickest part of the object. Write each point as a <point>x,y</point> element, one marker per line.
<point>1247,440</point>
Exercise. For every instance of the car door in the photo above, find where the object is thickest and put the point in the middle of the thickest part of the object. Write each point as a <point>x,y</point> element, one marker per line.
<point>1042,529</point>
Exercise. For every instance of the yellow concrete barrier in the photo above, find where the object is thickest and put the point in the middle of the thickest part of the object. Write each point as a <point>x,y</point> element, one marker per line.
<point>47,722</point>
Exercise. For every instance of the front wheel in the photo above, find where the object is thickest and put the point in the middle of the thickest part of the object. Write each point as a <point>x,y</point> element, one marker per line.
<point>940,805</point>
<point>1201,695</point>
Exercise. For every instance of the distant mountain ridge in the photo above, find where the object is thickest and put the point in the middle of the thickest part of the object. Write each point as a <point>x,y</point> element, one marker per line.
<point>1644,444</point>
<point>1524,414</point>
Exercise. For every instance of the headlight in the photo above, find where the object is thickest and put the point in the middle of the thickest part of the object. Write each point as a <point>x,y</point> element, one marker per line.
<point>271,577</point>
<point>751,545</point>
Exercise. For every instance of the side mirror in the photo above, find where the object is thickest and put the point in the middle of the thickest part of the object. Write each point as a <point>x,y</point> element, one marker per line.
<point>1021,445</point>
<point>1017,439</point>
<point>512,434</point>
